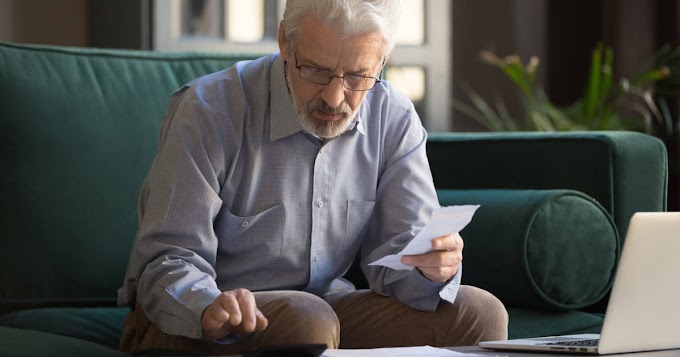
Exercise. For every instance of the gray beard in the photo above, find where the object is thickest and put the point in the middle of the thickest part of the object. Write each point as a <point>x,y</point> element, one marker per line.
<point>324,129</point>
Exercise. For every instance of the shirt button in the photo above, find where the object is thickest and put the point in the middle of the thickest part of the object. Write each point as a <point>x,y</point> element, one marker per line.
<point>316,257</point>
<point>320,203</point>
<point>194,331</point>
<point>245,224</point>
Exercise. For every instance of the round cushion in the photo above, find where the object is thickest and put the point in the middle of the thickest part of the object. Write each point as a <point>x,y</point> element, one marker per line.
<point>544,249</point>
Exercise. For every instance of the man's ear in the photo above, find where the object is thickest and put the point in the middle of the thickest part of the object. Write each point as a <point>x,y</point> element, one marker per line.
<point>283,42</point>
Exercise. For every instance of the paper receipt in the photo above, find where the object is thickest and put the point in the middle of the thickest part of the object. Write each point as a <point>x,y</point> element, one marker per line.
<point>444,220</point>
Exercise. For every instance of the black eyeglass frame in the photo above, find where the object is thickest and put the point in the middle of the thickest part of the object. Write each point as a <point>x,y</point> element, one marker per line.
<point>332,76</point>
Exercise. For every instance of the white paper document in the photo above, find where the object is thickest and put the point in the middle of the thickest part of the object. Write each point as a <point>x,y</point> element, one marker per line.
<point>395,352</point>
<point>444,220</point>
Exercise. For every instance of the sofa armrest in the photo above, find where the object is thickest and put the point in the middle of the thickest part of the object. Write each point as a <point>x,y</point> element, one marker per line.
<point>538,249</point>
<point>625,172</point>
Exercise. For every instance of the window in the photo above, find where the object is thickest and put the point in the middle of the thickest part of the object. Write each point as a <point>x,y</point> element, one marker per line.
<point>420,65</point>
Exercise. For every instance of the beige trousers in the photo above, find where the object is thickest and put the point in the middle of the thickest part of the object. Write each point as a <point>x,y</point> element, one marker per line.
<point>357,319</point>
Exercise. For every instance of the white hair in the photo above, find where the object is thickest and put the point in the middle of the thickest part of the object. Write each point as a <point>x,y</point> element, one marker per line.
<point>353,17</point>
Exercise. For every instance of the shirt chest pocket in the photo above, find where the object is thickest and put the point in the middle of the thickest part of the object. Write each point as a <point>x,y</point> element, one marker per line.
<point>244,242</point>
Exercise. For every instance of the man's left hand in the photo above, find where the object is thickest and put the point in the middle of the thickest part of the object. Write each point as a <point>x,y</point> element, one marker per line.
<point>442,263</point>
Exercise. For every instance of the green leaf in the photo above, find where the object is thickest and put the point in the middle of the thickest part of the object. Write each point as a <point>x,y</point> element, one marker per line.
<point>606,84</point>
<point>482,113</point>
<point>515,71</point>
<point>592,92</point>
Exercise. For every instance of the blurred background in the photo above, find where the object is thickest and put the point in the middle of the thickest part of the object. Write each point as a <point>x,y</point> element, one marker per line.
<point>468,65</point>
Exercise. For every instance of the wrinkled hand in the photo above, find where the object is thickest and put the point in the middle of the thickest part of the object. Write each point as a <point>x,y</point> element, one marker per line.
<point>442,263</point>
<point>232,311</point>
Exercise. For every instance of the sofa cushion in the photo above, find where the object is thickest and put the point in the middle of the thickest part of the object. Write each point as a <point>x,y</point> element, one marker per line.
<point>541,249</point>
<point>78,131</point>
<point>101,325</point>
<point>18,342</point>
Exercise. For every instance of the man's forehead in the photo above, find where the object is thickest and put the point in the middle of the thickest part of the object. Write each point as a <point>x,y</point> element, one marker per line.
<point>357,58</point>
<point>318,40</point>
<point>349,60</point>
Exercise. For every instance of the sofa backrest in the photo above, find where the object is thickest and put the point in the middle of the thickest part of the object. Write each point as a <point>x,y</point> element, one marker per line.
<point>78,131</point>
<point>626,172</point>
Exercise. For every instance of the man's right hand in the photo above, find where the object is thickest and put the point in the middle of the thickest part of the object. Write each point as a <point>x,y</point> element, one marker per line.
<point>232,311</point>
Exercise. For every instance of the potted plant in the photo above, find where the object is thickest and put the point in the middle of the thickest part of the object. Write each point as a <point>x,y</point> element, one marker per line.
<point>639,103</point>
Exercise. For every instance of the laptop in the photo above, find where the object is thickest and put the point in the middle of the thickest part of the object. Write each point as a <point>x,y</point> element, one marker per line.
<point>643,313</point>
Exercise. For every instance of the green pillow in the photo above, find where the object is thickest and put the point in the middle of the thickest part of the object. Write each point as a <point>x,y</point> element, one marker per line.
<point>543,249</point>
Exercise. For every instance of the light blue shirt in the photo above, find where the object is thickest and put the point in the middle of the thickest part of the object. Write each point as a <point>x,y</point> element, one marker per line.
<point>239,196</point>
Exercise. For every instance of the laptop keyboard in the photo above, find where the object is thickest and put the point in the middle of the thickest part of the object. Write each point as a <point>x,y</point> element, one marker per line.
<point>580,343</point>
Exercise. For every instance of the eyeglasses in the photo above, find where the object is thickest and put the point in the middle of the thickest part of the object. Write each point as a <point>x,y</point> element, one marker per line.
<point>323,77</point>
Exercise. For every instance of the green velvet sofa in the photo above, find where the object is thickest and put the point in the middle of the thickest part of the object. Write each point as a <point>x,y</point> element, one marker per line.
<point>78,130</point>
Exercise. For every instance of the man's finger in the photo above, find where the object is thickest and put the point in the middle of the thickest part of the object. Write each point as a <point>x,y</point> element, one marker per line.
<point>214,321</point>
<point>447,242</point>
<point>216,315</point>
<point>261,322</point>
<point>209,322</point>
<point>246,303</point>
<point>229,303</point>
<point>439,258</point>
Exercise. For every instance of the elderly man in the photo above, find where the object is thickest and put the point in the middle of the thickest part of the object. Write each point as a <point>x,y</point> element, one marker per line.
<point>270,177</point>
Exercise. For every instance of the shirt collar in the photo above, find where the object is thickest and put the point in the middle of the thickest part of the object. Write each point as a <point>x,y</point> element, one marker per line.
<point>283,115</point>
<point>359,124</point>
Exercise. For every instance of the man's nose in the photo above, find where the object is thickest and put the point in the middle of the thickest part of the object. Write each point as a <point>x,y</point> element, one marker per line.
<point>333,93</point>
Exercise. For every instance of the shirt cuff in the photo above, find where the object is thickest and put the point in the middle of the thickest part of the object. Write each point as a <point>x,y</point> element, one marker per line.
<point>197,307</point>
<point>182,314</point>
<point>421,293</point>
<point>449,291</point>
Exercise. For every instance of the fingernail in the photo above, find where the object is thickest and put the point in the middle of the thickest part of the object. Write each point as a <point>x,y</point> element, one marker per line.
<point>406,260</point>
